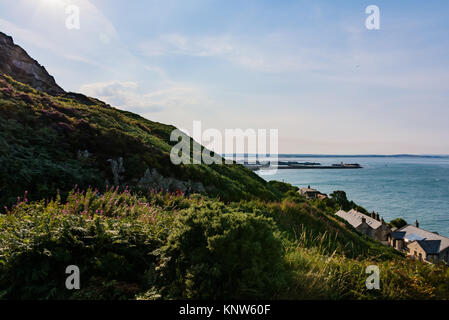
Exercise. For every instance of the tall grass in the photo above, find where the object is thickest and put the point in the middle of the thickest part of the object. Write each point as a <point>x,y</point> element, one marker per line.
<point>119,238</point>
<point>321,276</point>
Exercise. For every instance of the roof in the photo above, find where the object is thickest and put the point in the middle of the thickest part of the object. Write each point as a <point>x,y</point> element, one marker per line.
<point>425,238</point>
<point>413,237</point>
<point>373,223</point>
<point>355,218</point>
<point>430,246</point>
<point>304,189</point>
<point>397,235</point>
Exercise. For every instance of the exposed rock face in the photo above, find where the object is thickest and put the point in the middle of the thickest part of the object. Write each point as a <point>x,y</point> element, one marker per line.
<point>15,62</point>
<point>152,179</point>
<point>117,170</point>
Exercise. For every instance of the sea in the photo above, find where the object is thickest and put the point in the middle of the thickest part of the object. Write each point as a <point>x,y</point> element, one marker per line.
<point>403,186</point>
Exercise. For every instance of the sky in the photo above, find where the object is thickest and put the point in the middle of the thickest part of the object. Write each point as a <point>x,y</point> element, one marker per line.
<point>310,69</point>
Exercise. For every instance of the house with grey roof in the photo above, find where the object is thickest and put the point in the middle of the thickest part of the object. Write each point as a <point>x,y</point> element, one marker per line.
<point>372,227</point>
<point>310,193</point>
<point>421,244</point>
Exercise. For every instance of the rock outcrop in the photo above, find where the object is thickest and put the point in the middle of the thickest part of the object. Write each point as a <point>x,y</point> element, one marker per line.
<point>117,170</point>
<point>150,180</point>
<point>153,180</point>
<point>15,62</point>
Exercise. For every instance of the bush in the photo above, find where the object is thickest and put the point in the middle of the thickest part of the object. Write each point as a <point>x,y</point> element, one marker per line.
<point>282,188</point>
<point>38,242</point>
<point>398,223</point>
<point>214,253</point>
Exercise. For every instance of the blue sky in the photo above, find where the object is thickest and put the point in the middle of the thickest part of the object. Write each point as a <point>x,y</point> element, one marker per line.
<point>308,68</point>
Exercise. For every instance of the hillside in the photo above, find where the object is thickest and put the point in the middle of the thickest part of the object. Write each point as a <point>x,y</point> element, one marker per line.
<point>169,246</point>
<point>57,142</point>
<point>53,140</point>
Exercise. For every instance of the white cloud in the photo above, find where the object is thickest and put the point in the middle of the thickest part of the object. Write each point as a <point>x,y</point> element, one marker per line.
<point>353,61</point>
<point>261,54</point>
<point>128,96</point>
<point>177,44</point>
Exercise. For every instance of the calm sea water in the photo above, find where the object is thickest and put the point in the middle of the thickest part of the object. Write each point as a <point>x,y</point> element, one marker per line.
<point>410,188</point>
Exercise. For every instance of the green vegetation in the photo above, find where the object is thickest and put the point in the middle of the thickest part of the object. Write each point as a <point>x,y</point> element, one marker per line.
<point>398,223</point>
<point>341,199</point>
<point>217,252</point>
<point>170,246</point>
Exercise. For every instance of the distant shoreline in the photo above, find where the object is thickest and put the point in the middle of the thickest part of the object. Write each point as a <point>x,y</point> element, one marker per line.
<point>292,155</point>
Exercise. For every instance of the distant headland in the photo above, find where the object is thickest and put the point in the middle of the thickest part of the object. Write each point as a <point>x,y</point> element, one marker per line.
<point>307,155</point>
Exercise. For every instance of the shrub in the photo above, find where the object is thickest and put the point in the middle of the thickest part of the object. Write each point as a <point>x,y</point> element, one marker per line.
<point>38,241</point>
<point>214,253</point>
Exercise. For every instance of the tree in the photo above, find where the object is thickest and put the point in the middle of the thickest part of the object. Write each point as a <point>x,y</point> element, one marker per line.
<point>341,199</point>
<point>398,223</point>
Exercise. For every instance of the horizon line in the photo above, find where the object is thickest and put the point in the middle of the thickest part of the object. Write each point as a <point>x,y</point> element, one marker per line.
<point>336,155</point>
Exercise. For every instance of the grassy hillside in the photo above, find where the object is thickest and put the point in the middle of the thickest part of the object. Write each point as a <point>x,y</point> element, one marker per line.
<point>52,143</point>
<point>169,246</point>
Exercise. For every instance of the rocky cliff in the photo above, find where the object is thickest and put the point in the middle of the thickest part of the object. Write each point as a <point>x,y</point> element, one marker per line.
<point>15,62</point>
